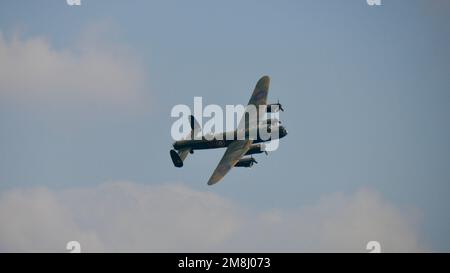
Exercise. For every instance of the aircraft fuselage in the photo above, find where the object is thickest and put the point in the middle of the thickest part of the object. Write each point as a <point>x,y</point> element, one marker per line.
<point>221,141</point>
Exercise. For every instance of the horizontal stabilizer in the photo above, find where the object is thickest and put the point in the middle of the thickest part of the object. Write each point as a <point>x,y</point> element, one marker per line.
<point>179,157</point>
<point>176,159</point>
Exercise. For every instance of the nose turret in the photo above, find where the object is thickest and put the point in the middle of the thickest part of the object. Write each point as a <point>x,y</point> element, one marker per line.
<point>283,132</point>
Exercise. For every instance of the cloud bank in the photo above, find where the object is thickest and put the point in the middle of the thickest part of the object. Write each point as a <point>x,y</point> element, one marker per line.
<point>127,216</point>
<point>92,73</point>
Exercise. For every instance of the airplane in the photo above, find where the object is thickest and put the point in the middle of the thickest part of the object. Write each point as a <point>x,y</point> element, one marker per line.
<point>236,149</point>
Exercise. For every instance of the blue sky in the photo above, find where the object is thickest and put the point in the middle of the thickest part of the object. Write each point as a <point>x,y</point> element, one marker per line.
<point>366,92</point>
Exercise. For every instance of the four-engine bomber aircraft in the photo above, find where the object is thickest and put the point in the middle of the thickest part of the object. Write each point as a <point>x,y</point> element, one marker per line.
<point>236,149</point>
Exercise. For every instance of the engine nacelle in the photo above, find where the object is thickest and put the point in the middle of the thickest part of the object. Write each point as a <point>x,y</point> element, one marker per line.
<point>271,121</point>
<point>246,162</point>
<point>256,149</point>
<point>274,107</point>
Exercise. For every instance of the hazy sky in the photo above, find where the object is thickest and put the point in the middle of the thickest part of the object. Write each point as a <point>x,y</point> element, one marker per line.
<point>85,100</point>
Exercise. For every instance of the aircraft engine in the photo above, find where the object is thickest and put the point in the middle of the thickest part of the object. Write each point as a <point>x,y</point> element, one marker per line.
<point>274,107</point>
<point>246,162</point>
<point>256,149</point>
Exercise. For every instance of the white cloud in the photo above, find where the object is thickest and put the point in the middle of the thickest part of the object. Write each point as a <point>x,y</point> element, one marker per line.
<point>34,220</point>
<point>92,73</point>
<point>126,216</point>
<point>336,223</point>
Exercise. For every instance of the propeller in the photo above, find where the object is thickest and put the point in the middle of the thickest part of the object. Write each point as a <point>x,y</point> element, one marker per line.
<point>253,161</point>
<point>277,120</point>
<point>279,104</point>
<point>263,148</point>
<point>280,107</point>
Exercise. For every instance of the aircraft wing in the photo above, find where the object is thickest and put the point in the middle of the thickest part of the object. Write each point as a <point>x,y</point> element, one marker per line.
<point>234,152</point>
<point>238,148</point>
<point>259,97</point>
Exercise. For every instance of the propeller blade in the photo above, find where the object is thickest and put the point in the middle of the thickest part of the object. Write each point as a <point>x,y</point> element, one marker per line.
<point>279,105</point>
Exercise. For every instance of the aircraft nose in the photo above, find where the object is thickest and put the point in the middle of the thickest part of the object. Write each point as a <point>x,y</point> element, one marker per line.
<point>284,132</point>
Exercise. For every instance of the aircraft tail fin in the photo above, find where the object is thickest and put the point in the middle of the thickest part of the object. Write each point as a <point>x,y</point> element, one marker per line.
<point>179,157</point>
